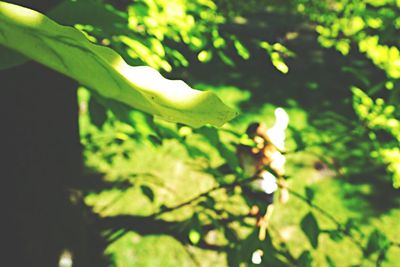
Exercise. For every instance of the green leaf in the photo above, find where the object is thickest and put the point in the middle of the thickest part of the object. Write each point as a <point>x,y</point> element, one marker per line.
<point>335,235</point>
<point>329,261</point>
<point>211,134</point>
<point>10,58</point>
<point>67,50</point>
<point>97,112</point>
<point>279,63</point>
<point>305,259</point>
<point>241,49</point>
<point>377,241</point>
<point>309,225</point>
<point>350,226</point>
<point>226,59</point>
<point>148,192</point>
<point>229,155</point>
<point>205,56</point>
<point>194,236</point>
<point>309,193</point>
<point>213,137</point>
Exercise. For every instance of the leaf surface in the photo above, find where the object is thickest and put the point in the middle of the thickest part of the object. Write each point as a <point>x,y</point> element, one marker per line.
<point>310,227</point>
<point>66,50</point>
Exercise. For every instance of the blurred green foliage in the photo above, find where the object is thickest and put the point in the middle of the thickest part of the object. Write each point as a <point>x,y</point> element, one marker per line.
<point>175,196</point>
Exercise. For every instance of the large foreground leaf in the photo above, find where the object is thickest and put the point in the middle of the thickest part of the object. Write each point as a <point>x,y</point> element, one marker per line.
<point>67,50</point>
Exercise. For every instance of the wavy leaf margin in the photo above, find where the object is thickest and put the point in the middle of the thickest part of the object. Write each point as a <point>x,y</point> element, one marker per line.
<point>66,50</point>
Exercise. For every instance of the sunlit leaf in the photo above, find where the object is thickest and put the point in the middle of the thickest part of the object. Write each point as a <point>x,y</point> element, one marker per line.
<point>194,236</point>
<point>204,56</point>
<point>226,59</point>
<point>66,50</point>
<point>241,49</point>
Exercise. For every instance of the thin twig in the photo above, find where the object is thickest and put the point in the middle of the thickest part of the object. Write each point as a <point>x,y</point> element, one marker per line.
<point>338,224</point>
<point>205,194</point>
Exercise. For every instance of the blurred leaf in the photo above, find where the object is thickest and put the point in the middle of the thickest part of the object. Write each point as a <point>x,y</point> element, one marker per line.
<point>157,47</point>
<point>377,241</point>
<point>305,259</point>
<point>267,46</point>
<point>343,46</point>
<point>68,51</point>
<point>148,192</point>
<point>350,225</point>
<point>272,256</point>
<point>211,134</point>
<point>194,236</point>
<point>241,49</point>
<point>167,130</point>
<point>335,235</point>
<point>229,155</point>
<point>310,227</point>
<point>181,58</point>
<point>298,138</point>
<point>329,261</point>
<point>143,123</point>
<point>309,193</point>
<point>204,56</point>
<point>226,59</point>
<point>98,113</point>
<point>279,63</point>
